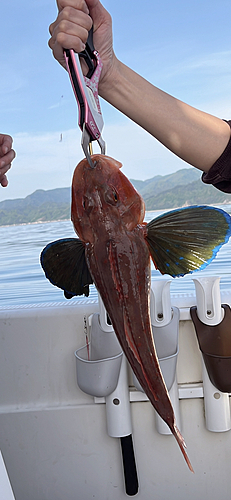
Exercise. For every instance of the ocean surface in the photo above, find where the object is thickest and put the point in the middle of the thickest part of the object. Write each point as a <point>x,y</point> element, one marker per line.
<point>22,280</point>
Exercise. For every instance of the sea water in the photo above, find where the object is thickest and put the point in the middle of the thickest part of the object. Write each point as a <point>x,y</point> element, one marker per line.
<point>22,280</point>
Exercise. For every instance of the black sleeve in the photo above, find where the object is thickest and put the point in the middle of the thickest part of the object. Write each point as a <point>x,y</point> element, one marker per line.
<point>219,174</point>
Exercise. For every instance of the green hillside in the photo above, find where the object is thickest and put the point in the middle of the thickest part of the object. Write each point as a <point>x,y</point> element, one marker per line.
<point>160,183</point>
<point>194,193</point>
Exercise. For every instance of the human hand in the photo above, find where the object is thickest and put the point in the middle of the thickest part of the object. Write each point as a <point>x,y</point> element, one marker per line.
<point>70,31</point>
<point>7,154</point>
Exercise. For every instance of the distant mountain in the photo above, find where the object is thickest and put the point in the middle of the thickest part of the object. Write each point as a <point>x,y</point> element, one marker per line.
<point>182,188</point>
<point>160,183</point>
<point>40,206</point>
<point>166,191</point>
<point>194,193</point>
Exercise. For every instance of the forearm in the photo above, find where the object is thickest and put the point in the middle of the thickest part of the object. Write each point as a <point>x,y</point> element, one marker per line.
<point>195,136</point>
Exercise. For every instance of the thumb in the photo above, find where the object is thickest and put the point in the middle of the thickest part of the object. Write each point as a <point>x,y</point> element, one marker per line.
<point>97,12</point>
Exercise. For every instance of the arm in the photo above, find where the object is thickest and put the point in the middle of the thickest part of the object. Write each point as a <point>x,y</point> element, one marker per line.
<point>7,154</point>
<point>195,136</point>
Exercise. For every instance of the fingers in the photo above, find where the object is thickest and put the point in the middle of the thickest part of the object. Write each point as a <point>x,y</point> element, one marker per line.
<point>7,154</point>
<point>3,180</point>
<point>5,143</point>
<point>68,19</point>
<point>69,31</point>
<point>3,177</point>
<point>6,159</point>
<point>76,4</point>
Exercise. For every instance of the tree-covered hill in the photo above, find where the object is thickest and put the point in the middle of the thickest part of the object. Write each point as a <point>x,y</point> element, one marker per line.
<point>181,188</point>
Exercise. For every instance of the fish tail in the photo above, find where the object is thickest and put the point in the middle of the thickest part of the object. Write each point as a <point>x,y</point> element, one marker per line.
<point>180,440</point>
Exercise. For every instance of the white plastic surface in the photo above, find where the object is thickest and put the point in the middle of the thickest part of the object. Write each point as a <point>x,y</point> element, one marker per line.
<point>165,322</point>
<point>103,317</point>
<point>53,436</point>
<point>118,406</point>
<point>98,363</point>
<point>217,407</point>
<point>161,426</point>
<point>208,296</point>
<point>160,302</point>
<point>105,374</point>
<point>6,492</point>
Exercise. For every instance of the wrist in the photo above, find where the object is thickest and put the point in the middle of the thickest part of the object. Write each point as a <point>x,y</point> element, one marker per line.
<point>110,81</point>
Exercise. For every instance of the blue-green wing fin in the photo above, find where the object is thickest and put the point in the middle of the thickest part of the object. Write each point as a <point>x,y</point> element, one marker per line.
<point>187,239</point>
<point>65,266</point>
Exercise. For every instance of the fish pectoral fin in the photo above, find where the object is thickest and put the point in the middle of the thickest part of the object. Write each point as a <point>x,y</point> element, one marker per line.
<point>65,266</point>
<point>187,239</point>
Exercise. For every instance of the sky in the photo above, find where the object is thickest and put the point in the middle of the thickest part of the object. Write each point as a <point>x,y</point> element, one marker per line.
<point>184,48</point>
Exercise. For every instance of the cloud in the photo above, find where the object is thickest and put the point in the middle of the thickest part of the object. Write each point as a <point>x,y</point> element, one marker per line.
<point>218,62</point>
<point>10,81</point>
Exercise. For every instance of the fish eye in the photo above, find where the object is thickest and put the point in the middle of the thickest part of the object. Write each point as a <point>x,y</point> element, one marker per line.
<point>111,196</point>
<point>87,204</point>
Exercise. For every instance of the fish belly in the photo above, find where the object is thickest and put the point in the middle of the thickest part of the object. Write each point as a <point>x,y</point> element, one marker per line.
<point>121,272</point>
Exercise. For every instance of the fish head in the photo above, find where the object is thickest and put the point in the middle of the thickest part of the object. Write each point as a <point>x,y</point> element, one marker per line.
<point>103,197</point>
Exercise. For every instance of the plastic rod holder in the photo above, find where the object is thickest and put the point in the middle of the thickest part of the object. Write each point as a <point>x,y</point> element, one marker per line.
<point>118,406</point>
<point>208,299</point>
<point>167,348</point>
<point>161,425</point>
<point>208,322</point>
<point>166,340</point>
<point>119,425</point>
<point>160,302</point>
<point>103,317</point>
<point>217,407</point>
<point>101,369</point>
<point>98,363</point>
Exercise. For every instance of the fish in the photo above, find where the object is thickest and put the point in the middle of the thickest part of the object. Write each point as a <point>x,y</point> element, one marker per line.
<point>114,249</point>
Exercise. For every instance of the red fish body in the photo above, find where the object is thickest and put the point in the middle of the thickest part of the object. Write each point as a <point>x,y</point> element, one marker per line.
<point>113,251</point>
<point>107,213</point>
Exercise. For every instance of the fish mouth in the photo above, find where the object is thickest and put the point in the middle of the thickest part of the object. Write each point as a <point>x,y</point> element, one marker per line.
<point>91,164</point>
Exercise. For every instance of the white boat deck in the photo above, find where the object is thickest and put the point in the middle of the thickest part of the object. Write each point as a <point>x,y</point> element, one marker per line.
<point>53,437</point>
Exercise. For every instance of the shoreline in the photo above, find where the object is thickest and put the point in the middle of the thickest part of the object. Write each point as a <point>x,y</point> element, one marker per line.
<point>146,211</point>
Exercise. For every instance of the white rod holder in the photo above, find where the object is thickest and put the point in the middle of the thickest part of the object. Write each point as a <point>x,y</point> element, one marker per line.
<point>103,316</point>
<point>118,409</point>
<point>160,302</point>
<point>217,408</point>
<point>161,425</point>
<point>165,323</point>
<point>208,296</point>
